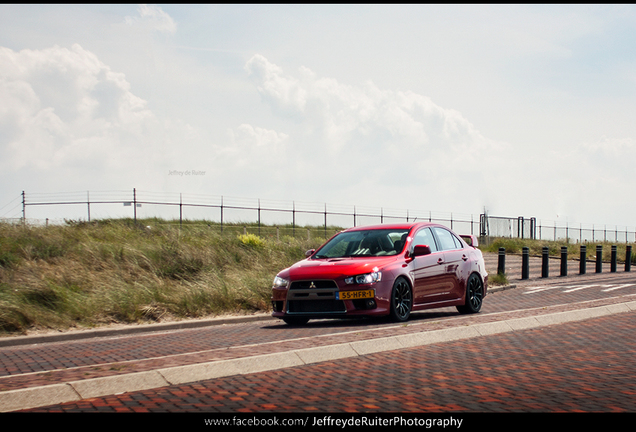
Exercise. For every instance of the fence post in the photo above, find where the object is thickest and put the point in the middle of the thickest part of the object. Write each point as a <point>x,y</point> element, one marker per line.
<point>221,214</point>
<point>525,263</point>
<point>564,261</point>
<point>135,204</point>
<point>325,220</point>
<point>613,260</point>
<point>544,262</point>
<point>583,259</point>
<point>23,208</point>
<point>628,258</point>
<point>501,266</point>
<point>599,258</point>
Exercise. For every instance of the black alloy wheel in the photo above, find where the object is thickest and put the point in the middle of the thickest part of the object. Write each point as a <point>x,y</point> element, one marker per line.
<point>474,295</point>
<point>401,300</point>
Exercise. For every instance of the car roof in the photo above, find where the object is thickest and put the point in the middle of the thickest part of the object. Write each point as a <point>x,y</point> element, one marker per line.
<point>406,225</point>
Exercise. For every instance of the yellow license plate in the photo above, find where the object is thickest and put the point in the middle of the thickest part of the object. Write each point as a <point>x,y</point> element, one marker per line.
<point>352,295</point>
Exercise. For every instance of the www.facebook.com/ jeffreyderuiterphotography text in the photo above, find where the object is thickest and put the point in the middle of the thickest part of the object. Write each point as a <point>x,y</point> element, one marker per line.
<point>337,421</point>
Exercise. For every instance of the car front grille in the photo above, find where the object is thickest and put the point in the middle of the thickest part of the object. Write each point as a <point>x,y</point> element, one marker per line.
<point>316,306</point>
<point>314,296</point>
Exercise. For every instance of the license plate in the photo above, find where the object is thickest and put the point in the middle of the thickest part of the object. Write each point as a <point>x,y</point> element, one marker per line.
<point>352,295</point>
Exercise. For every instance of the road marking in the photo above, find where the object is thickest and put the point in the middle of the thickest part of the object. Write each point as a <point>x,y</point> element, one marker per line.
<point>533,290</point>
<point>574,288</point>
<point>579,288</point>
<point>618,287</point>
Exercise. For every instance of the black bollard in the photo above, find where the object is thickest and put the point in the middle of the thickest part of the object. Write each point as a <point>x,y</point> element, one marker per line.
<point>525,263</point>
<point>564,261</point>
<point>628,258</point>
<point>599,259</point>
<point>501,266</point>
<point>613,261</point>
<point>544,262</point>
<point>583,259</point>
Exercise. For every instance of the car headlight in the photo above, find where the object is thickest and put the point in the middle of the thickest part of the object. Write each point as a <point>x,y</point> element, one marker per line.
<point>279,282</point>
<point>366,278</point>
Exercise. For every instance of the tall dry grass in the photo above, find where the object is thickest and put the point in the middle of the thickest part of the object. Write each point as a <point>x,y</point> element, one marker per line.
<point>118,271</point>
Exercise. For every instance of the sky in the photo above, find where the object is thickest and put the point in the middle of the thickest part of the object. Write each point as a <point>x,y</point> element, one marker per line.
<point>519,110</point>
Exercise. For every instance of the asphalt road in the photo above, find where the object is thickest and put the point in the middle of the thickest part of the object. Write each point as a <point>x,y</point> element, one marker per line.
<point>555,345</point>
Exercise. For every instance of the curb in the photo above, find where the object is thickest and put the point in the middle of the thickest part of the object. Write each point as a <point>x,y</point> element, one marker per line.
<point>14,400</point>
<point>128,330</point>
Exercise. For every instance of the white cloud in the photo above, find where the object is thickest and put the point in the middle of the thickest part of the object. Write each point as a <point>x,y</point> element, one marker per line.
<point>153,17</point>
<point>375,138</point>
<point>339,109</point>
<point>247,136</point>
<point>63,110</point>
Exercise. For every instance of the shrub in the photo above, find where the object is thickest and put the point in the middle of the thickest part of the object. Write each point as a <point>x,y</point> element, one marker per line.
<point>251,240</point>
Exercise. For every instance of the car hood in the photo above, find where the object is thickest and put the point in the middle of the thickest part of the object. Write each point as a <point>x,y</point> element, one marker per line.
<point>335,268</point>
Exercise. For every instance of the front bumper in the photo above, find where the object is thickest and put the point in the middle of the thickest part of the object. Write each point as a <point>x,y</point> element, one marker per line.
<point>322,299</point>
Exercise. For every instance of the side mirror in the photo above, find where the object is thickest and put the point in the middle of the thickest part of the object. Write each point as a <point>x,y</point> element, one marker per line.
<point>310,252</point>
<point>471,240</point>
<point>420,250</point>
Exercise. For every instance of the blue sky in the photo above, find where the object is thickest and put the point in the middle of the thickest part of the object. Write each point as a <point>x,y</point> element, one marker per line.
<point>526,110</point>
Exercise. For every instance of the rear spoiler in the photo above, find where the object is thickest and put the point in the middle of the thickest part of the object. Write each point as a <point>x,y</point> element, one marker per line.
<point>470,239</point>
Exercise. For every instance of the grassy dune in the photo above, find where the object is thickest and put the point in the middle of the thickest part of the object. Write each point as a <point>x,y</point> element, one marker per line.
<point>117,271</point>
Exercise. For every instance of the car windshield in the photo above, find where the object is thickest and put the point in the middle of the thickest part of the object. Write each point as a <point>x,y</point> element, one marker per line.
<point>377,242</point>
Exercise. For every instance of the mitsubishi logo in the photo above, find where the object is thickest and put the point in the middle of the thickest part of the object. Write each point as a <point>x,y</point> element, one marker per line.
<point>312,285</point>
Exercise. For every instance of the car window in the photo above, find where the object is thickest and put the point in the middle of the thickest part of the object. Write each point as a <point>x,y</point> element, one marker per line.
<point>376,242</point>
<point>447,239</point>
<point>425,237</point>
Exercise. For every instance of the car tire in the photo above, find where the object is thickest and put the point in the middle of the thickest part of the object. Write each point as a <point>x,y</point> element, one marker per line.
<point>401,300</point>
<point>296,321</point>
<point>474,295</point>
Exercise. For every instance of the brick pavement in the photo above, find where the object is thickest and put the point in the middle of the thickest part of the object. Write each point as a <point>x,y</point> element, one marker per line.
<point>51,367</point>
<point>585,366</point>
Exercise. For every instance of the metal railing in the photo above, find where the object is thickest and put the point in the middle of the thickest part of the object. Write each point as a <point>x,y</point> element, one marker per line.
<point>295,214</point>
<point>224,210</point>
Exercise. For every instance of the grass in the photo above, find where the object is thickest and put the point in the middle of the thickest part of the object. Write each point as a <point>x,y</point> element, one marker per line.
<point>82,275</point>
<point>118,271</point>
<point>497,279</point>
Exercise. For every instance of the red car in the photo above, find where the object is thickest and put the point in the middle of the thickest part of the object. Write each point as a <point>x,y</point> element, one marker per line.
<point>383,270</point>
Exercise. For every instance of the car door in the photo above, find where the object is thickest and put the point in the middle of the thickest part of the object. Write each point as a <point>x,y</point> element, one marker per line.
<point>428,270</point>
<point>454,259</point>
